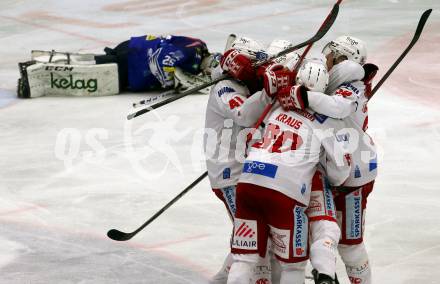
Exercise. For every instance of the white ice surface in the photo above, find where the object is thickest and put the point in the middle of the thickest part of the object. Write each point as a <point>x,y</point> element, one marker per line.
<point>54,214</point>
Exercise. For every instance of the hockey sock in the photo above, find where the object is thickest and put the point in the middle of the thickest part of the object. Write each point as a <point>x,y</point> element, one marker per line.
<point>356,262</point>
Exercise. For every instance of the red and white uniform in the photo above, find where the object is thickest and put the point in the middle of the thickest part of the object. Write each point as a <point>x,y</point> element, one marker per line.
<point>286,158</point>
<point>282,165</point>
<point>348,102</point>
<point>230,110</point>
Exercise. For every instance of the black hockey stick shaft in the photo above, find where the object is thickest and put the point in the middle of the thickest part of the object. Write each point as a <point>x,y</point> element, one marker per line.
<point>121,236</point>
<point>414,40</point>
<point>321,32</point>
<point>326,25</point>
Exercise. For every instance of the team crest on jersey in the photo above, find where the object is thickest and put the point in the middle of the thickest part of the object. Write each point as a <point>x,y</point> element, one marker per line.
<point>245,234</point>
<point>300,232</point>
<point>280,242</point>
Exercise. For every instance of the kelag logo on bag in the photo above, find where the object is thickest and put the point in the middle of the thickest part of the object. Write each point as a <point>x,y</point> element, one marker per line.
<point>90,85</point>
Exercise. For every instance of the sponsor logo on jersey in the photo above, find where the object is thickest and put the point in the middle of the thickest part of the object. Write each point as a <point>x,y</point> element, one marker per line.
<point>320,117</point>
<point>357,172</point>
<point>303,188</point>
<point>280,242</point>
<point>315,205</point>
<point>351,87</point>
<point>227,173</point>
<point>300,232</point>
<point>344,93</point>
<point>259,168</point>
<point>225,90</point>
<point>354,215</point>
<point>91,85</point>
<point>345,137</point>
<point>329,205</point>
<point>262,281</point>
<point>245,234</point>
<point>229,195</point>
<point>261,55</point>
<point>373,164</point>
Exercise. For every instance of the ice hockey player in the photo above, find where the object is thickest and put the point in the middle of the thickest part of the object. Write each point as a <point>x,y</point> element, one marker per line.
<point>140,64</point>
<point>275,187</point>
<point>324,230</point>
<point>233,106</point>
<point>349,87</point>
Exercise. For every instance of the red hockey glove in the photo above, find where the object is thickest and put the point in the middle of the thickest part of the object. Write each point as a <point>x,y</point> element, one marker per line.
<point>370,71</point>
<point>294,97</point>
<point>237,65</point>
<point>277,77</point>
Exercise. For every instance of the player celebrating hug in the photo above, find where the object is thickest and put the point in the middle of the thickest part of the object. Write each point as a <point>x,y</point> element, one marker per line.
<point>274,189</point>
<point>232,106</point>
<point>349,87</point>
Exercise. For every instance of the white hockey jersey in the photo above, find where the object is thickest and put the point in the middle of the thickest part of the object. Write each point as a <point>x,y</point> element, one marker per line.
<point>349,103</point>
<point>229,111</point>
<point>286,158</point>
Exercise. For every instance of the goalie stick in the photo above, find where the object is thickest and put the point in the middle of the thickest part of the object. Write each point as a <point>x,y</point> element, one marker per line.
<point>415,38</point>
<point>321,32</point>
<point>121,236</point>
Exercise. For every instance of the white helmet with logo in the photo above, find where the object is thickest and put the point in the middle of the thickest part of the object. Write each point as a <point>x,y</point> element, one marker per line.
<point>288,60</point>
<point>249,47</point>
<point>353,48</point>
<point>313,74</point>
<point>278,45</point>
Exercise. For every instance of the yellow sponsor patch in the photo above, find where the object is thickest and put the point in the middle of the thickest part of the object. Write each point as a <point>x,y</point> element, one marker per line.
<point>168,69</point>
<point>150,37</point>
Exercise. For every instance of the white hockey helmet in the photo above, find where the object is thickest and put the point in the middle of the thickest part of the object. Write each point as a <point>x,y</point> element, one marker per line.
<point>313,74</point>
<point>252,48</point>
<point>353,48</point>
<point>278,45</point>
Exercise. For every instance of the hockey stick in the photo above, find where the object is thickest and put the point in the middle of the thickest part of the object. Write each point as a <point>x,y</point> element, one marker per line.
<point>415,38</point>
<point>121,236</point>
<point>154,99</point>
<point>328,22</point>
<point>229,42</point>
<point>321,32</point>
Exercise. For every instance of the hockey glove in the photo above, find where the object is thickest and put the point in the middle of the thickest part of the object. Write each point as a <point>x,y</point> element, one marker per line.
<point>237,65</point>
<point>370,71</point>
<point>277,77</point>
<point>293,97</point>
